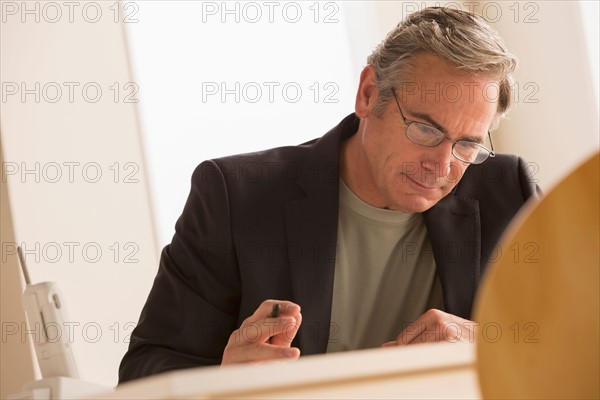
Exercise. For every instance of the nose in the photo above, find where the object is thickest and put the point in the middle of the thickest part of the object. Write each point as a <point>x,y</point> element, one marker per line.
<point>439,160</point>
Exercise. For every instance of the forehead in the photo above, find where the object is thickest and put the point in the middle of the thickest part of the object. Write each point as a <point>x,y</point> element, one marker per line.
<point>458,100</point>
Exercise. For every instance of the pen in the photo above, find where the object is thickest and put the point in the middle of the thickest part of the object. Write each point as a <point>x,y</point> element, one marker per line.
<point>275,311</point>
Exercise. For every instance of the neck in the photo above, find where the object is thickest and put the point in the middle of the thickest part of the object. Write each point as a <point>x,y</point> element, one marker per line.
<point>355,170</point>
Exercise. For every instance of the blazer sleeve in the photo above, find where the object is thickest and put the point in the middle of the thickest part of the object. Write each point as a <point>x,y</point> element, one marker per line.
<point>504,188</point>
<point>193,305</point>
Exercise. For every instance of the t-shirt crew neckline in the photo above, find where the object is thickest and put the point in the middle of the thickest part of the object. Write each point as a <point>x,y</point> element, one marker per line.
<point>380,215</point>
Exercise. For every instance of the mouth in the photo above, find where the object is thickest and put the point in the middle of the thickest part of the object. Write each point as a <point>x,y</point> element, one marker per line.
<point>420,185</point>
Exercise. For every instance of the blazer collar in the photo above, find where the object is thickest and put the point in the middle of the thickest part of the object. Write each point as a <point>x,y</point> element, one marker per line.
<point>454,231</point>
<point>321,168</point>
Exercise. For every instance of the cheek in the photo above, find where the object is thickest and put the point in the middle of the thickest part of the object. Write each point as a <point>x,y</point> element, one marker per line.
<point>381,156</point>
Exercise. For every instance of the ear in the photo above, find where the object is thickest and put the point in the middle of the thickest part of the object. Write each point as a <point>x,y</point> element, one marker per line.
<point>366,97</point>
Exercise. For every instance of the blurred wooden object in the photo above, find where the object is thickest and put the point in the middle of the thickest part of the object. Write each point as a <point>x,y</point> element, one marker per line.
<point>539,307</point>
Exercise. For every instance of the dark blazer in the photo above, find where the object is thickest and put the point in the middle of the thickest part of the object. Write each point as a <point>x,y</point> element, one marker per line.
<point>264,226</point>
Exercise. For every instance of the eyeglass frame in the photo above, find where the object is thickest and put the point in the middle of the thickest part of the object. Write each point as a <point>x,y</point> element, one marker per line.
<point>407,123</point>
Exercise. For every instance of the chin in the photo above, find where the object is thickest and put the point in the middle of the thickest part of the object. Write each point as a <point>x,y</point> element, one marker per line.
<point>414,203</point>
<point>412,206</point>
<point>422,208</point>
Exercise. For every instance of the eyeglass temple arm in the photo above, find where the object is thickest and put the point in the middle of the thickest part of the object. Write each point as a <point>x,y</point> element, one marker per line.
<point>492,153</point>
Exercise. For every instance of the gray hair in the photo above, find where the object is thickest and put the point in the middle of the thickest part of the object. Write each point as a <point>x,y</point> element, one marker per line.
<point>461,37</point>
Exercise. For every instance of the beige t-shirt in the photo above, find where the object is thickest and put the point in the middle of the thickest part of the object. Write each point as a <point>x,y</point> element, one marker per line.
<point>385,275</point>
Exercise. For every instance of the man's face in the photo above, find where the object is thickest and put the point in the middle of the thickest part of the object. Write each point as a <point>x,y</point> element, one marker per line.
<point>387,170</point>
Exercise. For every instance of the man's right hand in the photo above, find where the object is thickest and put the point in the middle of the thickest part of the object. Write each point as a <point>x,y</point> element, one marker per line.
<point>262,338</point>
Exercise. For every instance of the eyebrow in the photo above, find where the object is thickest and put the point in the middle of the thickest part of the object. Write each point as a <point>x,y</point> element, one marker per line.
<point>429,120</point>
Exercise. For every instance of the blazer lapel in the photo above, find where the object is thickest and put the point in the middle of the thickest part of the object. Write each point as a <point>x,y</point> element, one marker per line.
<point>454,230</point>
<point>311,239</point>
<point>311,228</point>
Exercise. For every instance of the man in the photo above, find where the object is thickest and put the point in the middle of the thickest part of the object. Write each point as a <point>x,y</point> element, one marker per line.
<point>358,239</point>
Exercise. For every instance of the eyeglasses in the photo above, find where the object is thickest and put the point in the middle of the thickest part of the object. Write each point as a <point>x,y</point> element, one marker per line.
<point>429,136</point>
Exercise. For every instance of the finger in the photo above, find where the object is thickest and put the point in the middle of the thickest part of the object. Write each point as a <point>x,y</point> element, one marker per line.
<point>285,330</point>
<point>438,335</point>
<point>390,344</point>
<point>288,331</point>
<point>426,325</point>
<point>258,352</point>
<point>286,308</point>
<point>260,331</point>
<point>434,326</point>
<point>411,332</point>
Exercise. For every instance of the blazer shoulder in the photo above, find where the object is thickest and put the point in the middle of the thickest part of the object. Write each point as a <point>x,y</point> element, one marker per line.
<point>310,167</point>
<point>504,175</point>
<point>322,149</point>
<point>276,154</point>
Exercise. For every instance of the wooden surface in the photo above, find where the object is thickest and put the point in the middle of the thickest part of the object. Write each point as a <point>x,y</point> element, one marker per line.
<point>439,370</point>
<point>539,307</point>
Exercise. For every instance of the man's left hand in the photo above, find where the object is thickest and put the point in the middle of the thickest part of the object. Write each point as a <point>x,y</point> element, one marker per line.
<point>436,326</point>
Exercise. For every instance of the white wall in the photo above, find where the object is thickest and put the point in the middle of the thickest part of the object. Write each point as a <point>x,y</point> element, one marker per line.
<point>555,121</point>
<point>223,78</point>
<point>57,209</point>
<point>590,12</point>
